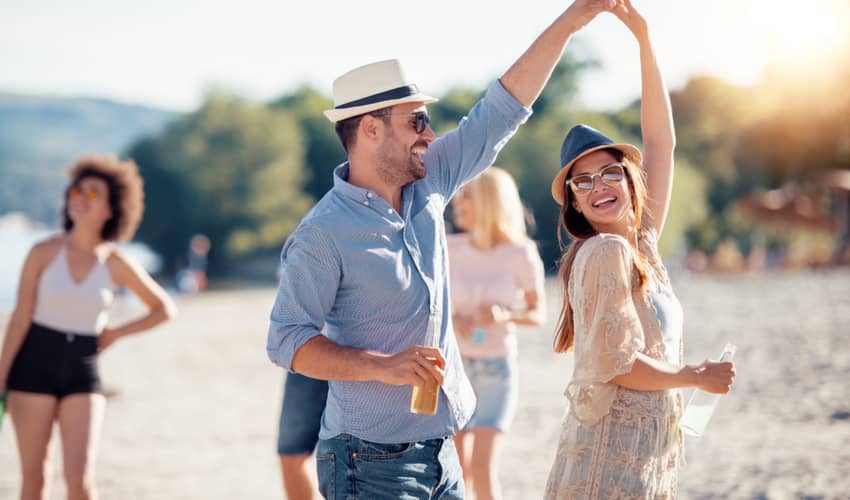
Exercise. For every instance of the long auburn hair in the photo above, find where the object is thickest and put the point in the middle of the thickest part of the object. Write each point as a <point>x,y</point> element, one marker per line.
<point>577,226</point>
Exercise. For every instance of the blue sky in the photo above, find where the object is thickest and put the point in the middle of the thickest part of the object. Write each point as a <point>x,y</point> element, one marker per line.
<point>168,53</point>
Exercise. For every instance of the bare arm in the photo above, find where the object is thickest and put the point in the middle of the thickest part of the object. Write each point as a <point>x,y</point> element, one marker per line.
<point>160,306</point>
<point>526,78</point>
<point>656,118</point>
<point>21,318</point>
<point>535,310</point>
<point>324,359</point>
<point>649,374</point>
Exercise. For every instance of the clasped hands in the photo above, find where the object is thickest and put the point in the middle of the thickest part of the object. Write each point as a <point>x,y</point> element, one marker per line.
<point>486,315</point>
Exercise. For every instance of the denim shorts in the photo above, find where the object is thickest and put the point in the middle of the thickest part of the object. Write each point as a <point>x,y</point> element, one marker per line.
<point>495,382</point>
<point>301,414</point>
<point>349,467</point>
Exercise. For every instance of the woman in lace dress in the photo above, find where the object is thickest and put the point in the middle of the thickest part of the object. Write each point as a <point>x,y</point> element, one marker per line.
<point>620,437</point>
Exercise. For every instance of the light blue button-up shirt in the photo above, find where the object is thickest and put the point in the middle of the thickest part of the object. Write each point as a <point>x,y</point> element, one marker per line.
<point>378,280</point>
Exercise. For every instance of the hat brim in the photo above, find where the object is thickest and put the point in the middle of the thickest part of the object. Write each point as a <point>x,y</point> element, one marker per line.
<point>339,114</point>
<point>559,183</point>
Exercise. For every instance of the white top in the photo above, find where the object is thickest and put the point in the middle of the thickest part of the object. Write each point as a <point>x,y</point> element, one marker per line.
<point>79,308</point>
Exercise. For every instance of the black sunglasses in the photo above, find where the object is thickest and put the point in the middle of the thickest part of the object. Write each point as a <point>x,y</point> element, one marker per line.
<point>421,119</point>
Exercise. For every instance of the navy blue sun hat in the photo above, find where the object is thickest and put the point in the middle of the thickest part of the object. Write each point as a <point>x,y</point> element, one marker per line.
<point>582,140</point>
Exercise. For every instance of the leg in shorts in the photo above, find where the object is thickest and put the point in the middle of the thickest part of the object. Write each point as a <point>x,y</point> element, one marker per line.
<point>301,414</point>
<point>495,383</point>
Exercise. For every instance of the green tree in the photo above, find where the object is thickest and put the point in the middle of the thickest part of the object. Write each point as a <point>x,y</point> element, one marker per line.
<point>233,171</point>
<point>322,149</point>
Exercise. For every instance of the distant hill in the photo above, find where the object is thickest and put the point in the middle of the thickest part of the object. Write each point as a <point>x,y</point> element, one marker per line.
<point>40,136</point>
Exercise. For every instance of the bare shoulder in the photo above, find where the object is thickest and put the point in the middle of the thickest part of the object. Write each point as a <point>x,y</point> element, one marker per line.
<point>115,257</point>
<point>45,250</point>
<point>118,262</point>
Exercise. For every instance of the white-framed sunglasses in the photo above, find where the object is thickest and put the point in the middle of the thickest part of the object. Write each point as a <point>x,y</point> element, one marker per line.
<point>583,183</point>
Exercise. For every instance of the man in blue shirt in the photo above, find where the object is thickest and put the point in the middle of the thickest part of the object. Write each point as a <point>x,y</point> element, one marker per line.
<point>368,264</point>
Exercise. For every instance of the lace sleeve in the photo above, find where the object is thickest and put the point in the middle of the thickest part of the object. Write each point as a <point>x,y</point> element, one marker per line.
<point>608,332</point>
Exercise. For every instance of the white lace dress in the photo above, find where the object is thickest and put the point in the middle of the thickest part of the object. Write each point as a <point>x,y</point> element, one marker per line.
<point>616,443</point>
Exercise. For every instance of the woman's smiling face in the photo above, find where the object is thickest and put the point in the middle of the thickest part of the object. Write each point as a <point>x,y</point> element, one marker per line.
<point>607,205</point>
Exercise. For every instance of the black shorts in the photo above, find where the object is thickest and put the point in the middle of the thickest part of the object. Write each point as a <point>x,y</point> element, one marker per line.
<point>55,363</point>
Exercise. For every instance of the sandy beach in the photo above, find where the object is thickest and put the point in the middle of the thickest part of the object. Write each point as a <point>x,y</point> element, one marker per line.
<point>195,415</point>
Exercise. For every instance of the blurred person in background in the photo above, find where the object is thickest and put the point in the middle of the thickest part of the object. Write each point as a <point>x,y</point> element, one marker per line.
<point>298,434</point>
<point>620,437</point>
<point>49,358</point>
<point>192,278</point>
<point>496,277</point>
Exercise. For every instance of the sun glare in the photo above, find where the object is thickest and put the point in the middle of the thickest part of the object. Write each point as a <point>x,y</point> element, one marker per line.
<point>804,35</point>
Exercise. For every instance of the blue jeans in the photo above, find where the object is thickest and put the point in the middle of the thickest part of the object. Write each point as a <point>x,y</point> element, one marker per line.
<point>351,468</point>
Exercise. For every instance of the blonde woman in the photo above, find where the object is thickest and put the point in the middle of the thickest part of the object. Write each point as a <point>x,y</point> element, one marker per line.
<point>620,438</point>
<point>497,283</point>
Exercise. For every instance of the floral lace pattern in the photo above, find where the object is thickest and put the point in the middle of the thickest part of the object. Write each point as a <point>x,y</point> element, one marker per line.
<point>615,442</point>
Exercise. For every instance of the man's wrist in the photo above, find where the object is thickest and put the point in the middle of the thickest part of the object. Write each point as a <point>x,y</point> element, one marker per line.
<point>371,363</point>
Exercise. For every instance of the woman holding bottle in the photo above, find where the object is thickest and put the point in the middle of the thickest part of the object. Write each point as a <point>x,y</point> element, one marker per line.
<point>620,438</point>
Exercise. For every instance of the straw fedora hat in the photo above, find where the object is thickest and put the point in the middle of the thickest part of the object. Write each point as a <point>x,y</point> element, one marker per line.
<point>580,141</point>
<point>370,87</point>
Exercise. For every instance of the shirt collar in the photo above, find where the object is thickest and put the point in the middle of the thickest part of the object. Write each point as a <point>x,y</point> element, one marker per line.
<point>362,195</point>
<point>347,189</point>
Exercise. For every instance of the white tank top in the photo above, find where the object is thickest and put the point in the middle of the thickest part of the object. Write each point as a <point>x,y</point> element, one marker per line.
<point>79,308</point>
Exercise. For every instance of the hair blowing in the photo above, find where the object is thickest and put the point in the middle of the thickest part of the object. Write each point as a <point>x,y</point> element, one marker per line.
<point>574,223</point>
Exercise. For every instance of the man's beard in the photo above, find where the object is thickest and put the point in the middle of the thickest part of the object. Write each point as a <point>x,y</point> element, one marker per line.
<point>396,165</point>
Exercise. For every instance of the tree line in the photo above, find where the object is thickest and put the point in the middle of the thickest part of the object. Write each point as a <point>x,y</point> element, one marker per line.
<point>244,173</point>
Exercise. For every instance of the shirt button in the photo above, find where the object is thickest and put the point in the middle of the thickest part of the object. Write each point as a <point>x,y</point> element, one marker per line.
<point>369,195</point>
<point>390,211</point>
<point>366,203</point>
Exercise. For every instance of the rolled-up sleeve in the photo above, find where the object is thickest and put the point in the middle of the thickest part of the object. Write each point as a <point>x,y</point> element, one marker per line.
<point>466,151</point>
<point>311,271</point>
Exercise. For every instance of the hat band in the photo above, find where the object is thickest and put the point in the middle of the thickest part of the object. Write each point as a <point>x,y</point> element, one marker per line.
<point>387,95</point>
<point>585,147</point>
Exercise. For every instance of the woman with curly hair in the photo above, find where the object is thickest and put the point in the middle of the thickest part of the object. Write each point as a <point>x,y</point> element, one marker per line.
<point>48,361</point>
